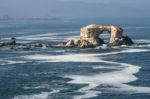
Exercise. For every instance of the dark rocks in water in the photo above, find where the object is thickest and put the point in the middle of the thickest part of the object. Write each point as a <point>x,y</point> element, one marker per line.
<point>22,47</point>
<point>99,42</point>
<point>126,41</point>
<point>86,44</point>
<point>83,43</point>
<point>12,41</point>
<point>60,46</point>
<point>12,45</point>
<point>143,43</point>
<point>70,43</point>
<point>38,45</point>
<point>90,37</point>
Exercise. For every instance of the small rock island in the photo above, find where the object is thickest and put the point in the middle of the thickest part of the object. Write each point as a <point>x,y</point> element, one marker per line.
<point>90,37</point>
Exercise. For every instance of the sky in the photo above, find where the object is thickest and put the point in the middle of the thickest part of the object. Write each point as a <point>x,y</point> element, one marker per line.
<point>75,8</point>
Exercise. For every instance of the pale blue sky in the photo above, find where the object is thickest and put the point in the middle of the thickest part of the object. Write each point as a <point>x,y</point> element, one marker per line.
<point>75,8</point>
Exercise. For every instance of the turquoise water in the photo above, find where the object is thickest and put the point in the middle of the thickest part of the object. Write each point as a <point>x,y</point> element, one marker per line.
<point>97,73</point>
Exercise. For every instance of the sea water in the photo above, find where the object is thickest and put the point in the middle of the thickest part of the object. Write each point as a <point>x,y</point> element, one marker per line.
<point>73,73</point>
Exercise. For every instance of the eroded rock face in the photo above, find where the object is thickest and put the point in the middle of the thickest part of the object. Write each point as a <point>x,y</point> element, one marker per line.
<point>90,36</point>
<point>91,33</point>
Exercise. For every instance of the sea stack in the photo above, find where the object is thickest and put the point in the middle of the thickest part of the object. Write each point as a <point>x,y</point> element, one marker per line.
<point>90,36</point>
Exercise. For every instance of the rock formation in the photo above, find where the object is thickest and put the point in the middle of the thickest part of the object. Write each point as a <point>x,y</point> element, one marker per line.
<point>12,41</point>
<point>90,36</point>
<point>38,45</point>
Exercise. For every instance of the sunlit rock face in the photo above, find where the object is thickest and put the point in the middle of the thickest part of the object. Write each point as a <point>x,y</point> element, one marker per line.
<point>90,36</point>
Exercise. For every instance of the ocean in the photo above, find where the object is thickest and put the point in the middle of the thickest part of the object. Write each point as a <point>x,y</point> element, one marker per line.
<point>73,73</point>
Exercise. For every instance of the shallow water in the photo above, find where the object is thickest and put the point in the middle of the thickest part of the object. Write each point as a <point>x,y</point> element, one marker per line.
<point>98,73</point>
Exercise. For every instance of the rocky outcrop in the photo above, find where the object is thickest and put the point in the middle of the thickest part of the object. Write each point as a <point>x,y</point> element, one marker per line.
<point>12,41</point>
<point>38,45</point>
<point>90,36</point>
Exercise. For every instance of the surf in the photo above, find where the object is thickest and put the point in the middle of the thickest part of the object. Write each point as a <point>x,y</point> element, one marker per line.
<point>122,74</point>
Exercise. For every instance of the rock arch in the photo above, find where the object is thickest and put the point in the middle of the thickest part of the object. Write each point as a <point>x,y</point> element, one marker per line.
<point>90,37</point>
<point>91,33</point>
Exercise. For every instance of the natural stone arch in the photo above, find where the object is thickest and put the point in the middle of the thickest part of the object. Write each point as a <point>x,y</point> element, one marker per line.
<point>90,37</point>
<point>91,33</point>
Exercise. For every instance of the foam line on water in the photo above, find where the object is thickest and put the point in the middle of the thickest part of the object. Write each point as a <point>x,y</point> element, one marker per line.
<point>131,89</point>
<point>137,27</point>
<point>106,67</point>
<point>43,95</point>
<point>73,37</point>
<point>142,41</point>
<point>118,78</point>
<point>111,78</point>
<point>77,57</point>
<point>61,58</point>
<point>124,51</point>
<point>45,36</point>
<point>6,62</point>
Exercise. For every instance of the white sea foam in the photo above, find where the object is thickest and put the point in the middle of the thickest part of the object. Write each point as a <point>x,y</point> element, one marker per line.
<point>43,95</point>
<point>106,67</point>
<point>78,57</point>
<point>6,62</point>
<point>62,58</point>
<point>131,89</point>
<point>122,76</point>
<point>73,37</point>
<point>117,78</point>
<point>37,87</point>
<point>47,36</point>
<point>137,27</point>
<point>142,41</point>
